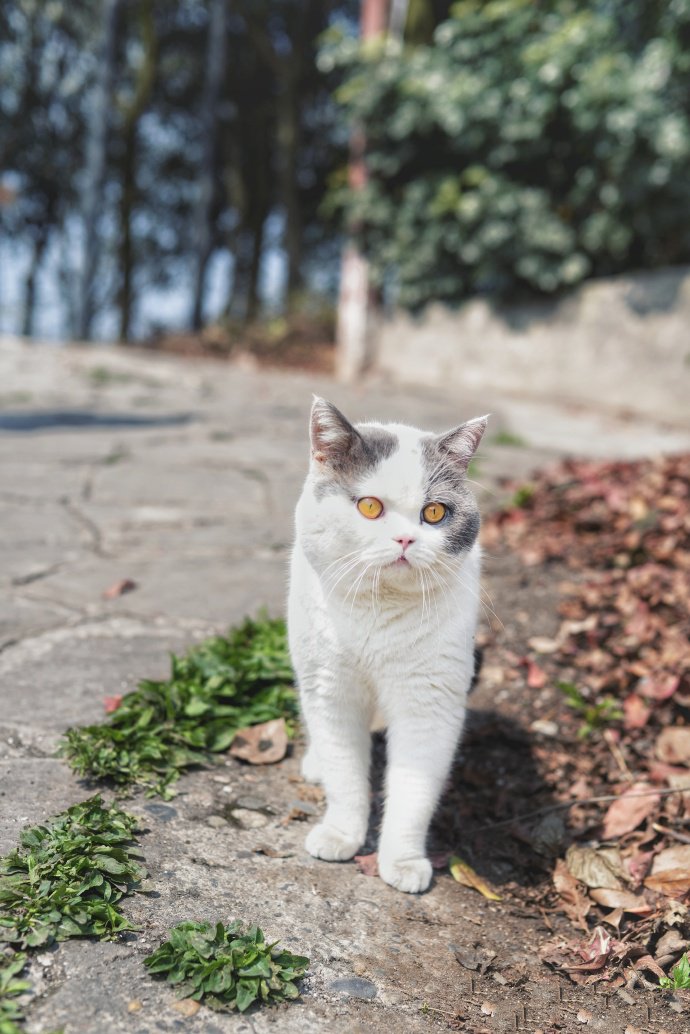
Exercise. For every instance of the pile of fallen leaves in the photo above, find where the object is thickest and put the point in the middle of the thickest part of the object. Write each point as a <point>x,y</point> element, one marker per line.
<point>616,681</point>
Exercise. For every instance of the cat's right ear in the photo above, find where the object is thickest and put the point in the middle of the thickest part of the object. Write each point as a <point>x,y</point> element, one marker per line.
<point>332,435</point>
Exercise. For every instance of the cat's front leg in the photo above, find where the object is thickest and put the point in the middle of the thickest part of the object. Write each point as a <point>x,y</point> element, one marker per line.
<point>421,746</point>
<point>338,721</point>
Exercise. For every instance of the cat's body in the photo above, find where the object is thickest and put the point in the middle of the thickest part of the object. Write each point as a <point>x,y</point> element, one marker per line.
<point>381,617</point>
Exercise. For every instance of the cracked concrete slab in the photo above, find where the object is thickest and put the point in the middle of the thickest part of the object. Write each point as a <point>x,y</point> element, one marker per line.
<point>183,475</point>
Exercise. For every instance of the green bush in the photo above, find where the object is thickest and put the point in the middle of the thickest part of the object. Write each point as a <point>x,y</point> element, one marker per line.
<point>531,146</point>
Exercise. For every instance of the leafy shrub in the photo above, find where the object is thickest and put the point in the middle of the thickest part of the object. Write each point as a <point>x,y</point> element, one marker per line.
<point>224,684</point>
<point>227,967</point>
<point>68,877</point>
<point>531,146</point>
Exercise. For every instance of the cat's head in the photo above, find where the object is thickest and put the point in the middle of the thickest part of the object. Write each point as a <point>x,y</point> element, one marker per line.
<point>387,500</point>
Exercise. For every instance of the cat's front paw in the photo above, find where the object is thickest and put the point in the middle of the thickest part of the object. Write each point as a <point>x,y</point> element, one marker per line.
<point>330,844</point>
<point>411,875</point>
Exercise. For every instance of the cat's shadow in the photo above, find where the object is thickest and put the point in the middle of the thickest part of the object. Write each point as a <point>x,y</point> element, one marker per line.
<point>495,779</point>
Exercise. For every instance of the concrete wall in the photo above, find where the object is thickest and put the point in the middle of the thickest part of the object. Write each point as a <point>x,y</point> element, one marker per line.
<point>620,344</point>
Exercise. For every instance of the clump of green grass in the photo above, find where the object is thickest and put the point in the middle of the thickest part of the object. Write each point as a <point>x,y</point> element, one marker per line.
<point>680,976</point>
<point>225,967</point>
<point>11,1014</point>
<point>595,715</point>
<point>523,496</point>
<point>218,687</point>
<point>67,878</point>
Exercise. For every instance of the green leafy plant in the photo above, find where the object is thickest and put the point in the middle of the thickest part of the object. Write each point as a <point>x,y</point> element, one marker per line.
<point>523,496</point>
<point>529,147</point>
<point>595,714</point>
<point>225,967</point>
<point>218,687</point>
<point>67,878</point>
<point>680,976</point>
<point>10,987</point>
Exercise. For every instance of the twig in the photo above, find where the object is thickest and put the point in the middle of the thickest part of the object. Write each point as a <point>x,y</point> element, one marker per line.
<point>671,833</point>
<point>563,806</point>
<point>618,756</point>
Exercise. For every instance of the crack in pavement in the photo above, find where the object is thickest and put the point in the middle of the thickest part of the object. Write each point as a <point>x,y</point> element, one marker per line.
<point>89,525</point>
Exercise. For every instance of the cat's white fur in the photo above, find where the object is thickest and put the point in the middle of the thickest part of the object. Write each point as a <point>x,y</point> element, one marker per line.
<point>378,643</point>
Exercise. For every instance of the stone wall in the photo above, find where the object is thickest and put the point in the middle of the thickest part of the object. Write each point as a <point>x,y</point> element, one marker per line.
<point>622,344</point>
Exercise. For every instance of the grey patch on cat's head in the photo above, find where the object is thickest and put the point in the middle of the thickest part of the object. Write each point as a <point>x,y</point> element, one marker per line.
<point>344,452</point>
<point>446,458</point>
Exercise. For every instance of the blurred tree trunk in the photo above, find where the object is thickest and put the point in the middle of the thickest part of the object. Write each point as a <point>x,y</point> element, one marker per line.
<point>203,228</point>
<point>356,301</point>
<point>29,306</point>
<point>96,149</point>
<point>257,247</point>
<point>131,116</point>
<point>288,149</point>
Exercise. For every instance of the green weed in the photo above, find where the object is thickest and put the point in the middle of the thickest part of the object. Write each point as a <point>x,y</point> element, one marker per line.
<point>523,496</point>
<point>67,878</point>
<point>680,976</point>
<point>595,715</point>
<point>225,967</point>
<point>11,1014</point>
<point>220,686</point>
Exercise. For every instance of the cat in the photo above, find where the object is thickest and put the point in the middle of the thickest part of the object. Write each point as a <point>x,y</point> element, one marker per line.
<point>382,610</point>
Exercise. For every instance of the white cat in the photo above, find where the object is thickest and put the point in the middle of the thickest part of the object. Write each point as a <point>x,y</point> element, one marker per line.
<point>382,610</point>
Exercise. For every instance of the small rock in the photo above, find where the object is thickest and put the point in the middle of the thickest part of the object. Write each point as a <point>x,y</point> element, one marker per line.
<point>632,1030</point>
<point>45,960</point>
<point>164,812</point>
<point>216,821</point>
<point>304,806</point>
<point>187,1007</point>
<point>247,819</point>
<point>250,802</point>
<point>488,1008</point>
<point>135,1005</point>
<point>544,727</point>
<point>354,987</point>
<point>584,1016</point>
<point>359,967</point>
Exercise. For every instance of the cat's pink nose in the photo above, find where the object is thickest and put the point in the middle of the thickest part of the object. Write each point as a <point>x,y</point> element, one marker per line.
<point>404,541</point>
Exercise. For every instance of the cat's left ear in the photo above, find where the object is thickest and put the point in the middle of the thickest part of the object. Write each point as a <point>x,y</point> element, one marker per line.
<point>462,442</point>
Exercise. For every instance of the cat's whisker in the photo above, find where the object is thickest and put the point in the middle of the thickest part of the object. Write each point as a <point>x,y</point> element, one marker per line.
<point>356,586</point>
<point>487,608</point>
<point>342,573</point>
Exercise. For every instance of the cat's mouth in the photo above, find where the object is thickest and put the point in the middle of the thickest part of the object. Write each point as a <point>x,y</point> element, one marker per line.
<point>400,561</point>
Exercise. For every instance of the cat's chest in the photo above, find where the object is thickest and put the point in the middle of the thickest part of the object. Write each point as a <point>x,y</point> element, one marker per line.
<point>382,640</point>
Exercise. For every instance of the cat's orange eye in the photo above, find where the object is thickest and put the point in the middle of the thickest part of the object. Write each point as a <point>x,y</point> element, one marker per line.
<point>370,507</point>
<point>433,513</point>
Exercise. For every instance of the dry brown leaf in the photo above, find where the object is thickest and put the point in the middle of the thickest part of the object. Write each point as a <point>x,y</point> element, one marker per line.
<point>636,712</point>
<point>648,963</point>
<point>659,687</point>
<point>673,745</point>
<point>368,864</point>
<point>621,899</point>
<point>465,874</point>
<point>574,903</point>
<point>119,588</point>
<point>629,811</point>
<point>592,867</point>
<point>261,744</point>
<point>536,677</point>
<point>671,871</point>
